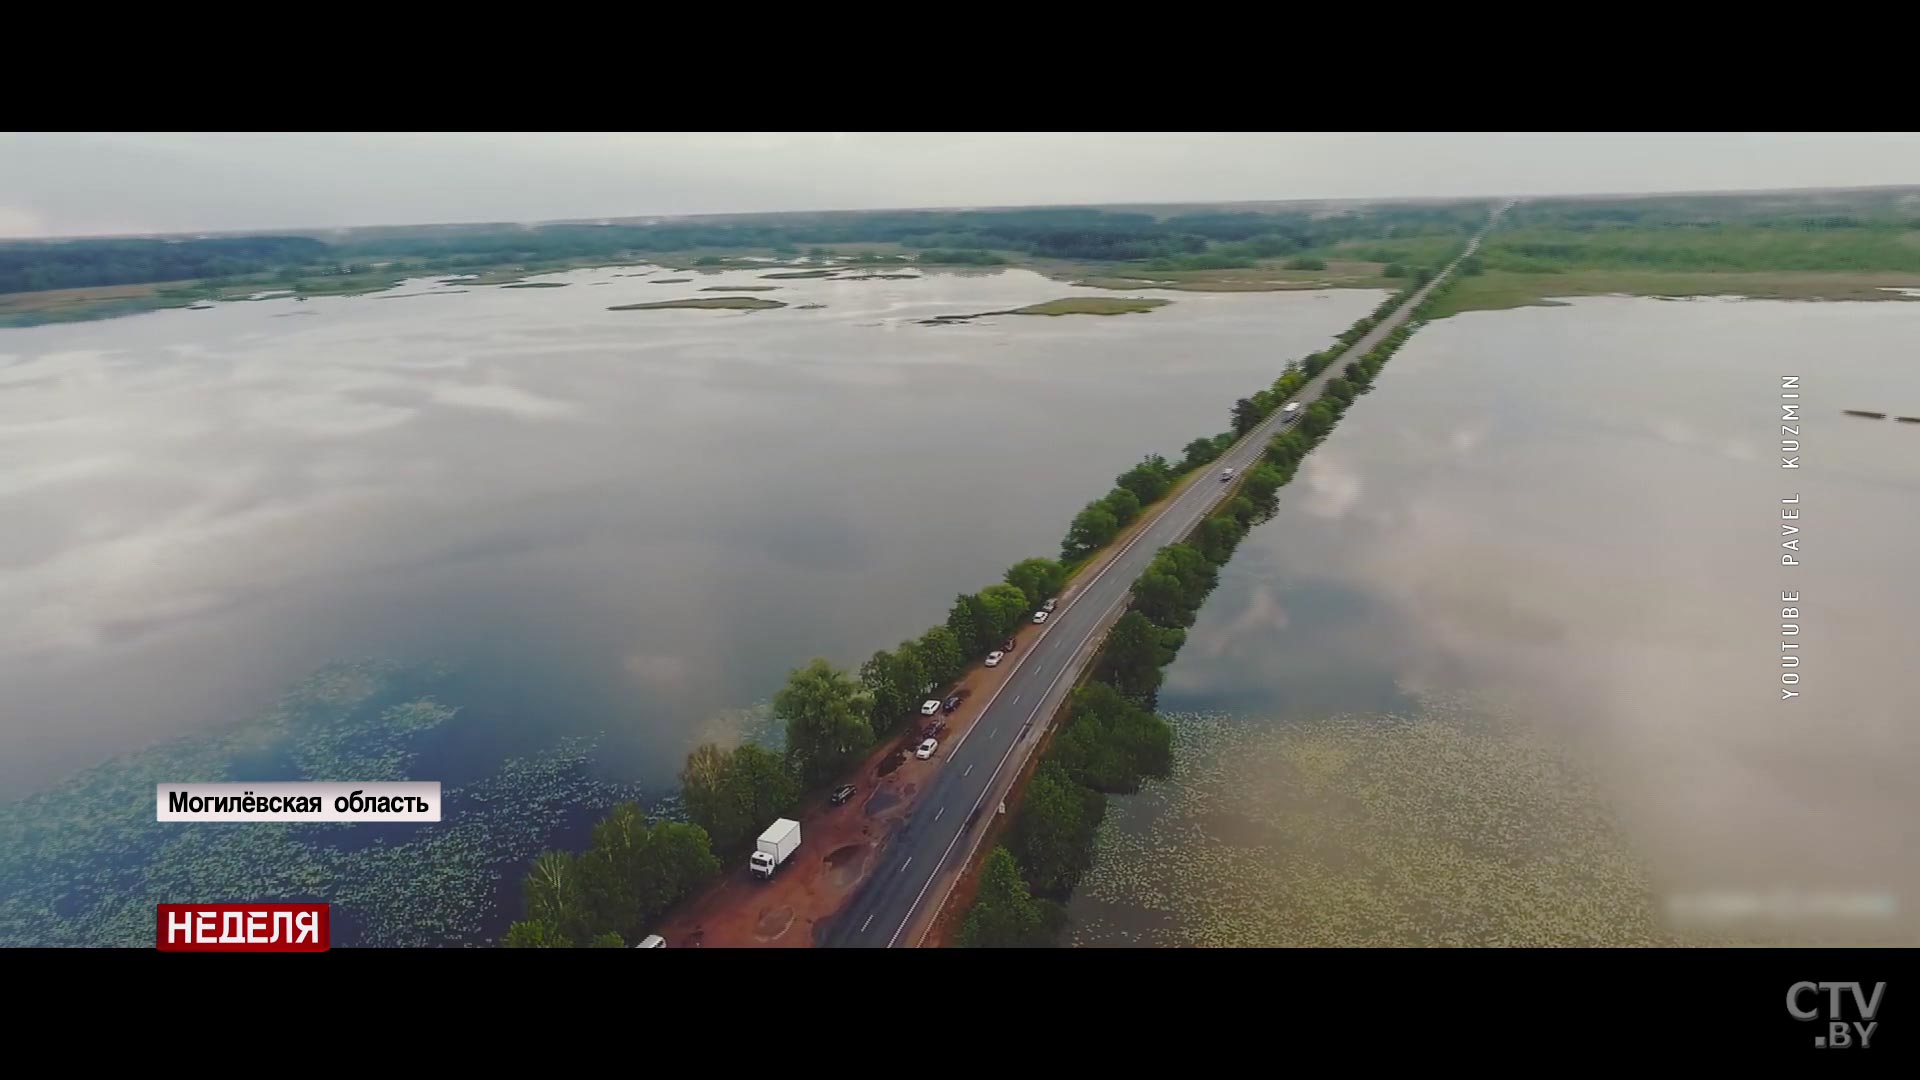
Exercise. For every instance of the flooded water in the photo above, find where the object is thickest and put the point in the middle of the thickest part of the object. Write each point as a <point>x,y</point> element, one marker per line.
<point>1506,666</point>
<point>629,522</point>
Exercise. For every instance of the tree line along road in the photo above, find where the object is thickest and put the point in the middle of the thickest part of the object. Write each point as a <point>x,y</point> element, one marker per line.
<point>916,866</point>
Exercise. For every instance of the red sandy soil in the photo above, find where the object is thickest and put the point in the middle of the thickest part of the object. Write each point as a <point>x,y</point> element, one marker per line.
<point>838,844</point>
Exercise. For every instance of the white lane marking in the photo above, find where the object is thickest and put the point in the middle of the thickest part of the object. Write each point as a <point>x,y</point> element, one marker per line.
<point>937,813</point>
<point>1016,699</point>
<point>904,865</point>
<point>996,731</point>
<point>864,925</point>
<point>969,772</point>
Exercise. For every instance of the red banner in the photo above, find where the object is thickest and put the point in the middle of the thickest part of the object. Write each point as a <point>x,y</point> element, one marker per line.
<point>242,928</point>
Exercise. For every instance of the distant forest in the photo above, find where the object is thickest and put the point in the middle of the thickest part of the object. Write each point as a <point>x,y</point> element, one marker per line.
<point>68,264</point>
<point>1186,241</point>
<point>1764,230</point>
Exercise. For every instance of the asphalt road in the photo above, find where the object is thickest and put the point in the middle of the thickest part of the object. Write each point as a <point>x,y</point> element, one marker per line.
<point>953,810</point>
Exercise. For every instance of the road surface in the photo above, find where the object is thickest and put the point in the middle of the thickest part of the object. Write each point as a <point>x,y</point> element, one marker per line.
<point>907,885</point>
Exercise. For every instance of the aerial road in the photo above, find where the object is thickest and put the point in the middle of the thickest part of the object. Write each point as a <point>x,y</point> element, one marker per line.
<point>919,862</point>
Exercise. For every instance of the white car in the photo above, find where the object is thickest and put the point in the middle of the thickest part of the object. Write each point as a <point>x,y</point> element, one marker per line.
<point>1039,616</point>
<point>652,941</point>
<point>1048,606</point>
<point>928,708</point>
<point>926,749</point>
<point>1225,475</point>
<point>994,658</point>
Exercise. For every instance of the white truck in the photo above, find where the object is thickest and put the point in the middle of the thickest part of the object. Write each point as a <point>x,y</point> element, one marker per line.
<point>775,847</point>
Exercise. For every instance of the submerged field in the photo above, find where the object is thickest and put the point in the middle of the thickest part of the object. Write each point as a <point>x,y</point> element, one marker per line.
<point>1439,827</point>
<point>83,864</point>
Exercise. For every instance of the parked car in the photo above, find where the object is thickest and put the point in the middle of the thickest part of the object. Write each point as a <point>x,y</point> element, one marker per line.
<point>842,794</point>
<point>652,941</point>
<point>926,749</point>
<point>951,704</point>
<point>928,708</point>
<point>1048,606</point>
<point>1039,616</point>
<point>994,658</point>
<point>1007,645</point>
<point>937,727</point>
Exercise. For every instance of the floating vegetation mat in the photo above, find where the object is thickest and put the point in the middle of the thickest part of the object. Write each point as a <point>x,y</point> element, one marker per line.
<point>1443,829</point>
<point>85,862</point>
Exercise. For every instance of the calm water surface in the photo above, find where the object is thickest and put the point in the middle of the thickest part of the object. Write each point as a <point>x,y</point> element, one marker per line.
<point>1505,668</point>
<point>630,522</point>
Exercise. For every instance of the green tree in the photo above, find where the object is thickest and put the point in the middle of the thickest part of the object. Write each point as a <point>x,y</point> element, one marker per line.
<point>1124,505</point>
<point>1198,453</point>
<point>679,859</point>
<point>910,672</point>
<point>1005,606</point>
<point>1053,836</point>
<point>1110,743</point>
<point>941,656</point>
<point>1092,529</point>
<point>761,787</point>
<point>1306,262</point>
<point>1135,653</point>
<point>535,934</point>
<point>704,790</point>
<point>1148,480</point>
<point>1169,592</point>
<point>969,623</point>
<point>1260,485</point>
<point>895,682</point>
<point>1037,579</point>
<point>554,896</point>
<point>1393,270</point>
<point>733,793</point>
<point>1316,420</point>
<point>826,716</point>
<point>1246,414</point>
<point>608,940</point>
<point>1217,536</point>
<point>1005,914</point>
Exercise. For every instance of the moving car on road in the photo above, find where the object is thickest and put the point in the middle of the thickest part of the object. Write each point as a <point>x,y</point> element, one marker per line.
<point>994,658</point>
<point>1290,412</point>
<point>842,794</point>
<point>1226,475</point>
<point>1039,616</point>
<point>928,708</point>
<point>926,749</point>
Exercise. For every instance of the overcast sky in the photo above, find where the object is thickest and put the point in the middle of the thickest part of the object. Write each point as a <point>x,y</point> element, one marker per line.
<point>73,184</point>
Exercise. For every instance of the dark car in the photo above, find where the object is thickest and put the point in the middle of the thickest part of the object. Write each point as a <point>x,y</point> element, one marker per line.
<point>1008,647</point>
<point>841,794</point>
<point>933,729</point>
<point>952,703</point>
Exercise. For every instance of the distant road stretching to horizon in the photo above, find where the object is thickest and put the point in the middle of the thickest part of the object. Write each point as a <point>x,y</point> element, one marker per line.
<point>901,886</point>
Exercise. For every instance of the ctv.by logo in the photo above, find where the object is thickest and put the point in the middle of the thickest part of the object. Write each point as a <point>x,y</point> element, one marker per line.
<point>1840,1033</point>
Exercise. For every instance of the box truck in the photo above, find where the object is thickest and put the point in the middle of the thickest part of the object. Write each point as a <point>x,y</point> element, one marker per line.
<point>775,847</point>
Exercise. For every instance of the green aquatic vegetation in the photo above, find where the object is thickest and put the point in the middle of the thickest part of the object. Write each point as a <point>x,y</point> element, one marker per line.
<point>84,862</point>
<point>1447,827</point>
